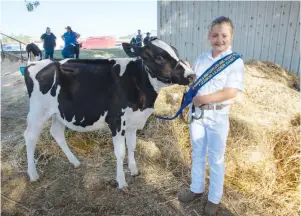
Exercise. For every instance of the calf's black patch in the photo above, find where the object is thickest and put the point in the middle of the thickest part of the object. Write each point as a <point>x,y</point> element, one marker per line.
<point>122,132</point>
<point>28,81</point>
<point>45,77</point>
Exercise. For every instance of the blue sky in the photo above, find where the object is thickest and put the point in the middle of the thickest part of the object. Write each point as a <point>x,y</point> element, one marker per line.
<point>89,18</point>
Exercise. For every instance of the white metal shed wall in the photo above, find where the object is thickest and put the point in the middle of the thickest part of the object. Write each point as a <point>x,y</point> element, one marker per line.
<point>263,30</point>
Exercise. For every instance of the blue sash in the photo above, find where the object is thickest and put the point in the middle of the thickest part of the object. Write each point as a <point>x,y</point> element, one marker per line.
<point>211,72</point>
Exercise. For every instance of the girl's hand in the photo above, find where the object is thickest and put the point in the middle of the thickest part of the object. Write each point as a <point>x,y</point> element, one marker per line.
<point>198,101</point>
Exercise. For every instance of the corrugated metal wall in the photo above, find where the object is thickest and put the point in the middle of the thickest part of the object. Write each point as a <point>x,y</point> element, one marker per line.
<point>263,30</point>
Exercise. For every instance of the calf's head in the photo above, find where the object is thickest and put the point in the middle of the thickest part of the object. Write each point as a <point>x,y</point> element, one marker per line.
<point>162,62</point>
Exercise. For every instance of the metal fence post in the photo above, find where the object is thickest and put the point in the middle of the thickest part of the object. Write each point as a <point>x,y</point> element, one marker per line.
<point>21,52</point>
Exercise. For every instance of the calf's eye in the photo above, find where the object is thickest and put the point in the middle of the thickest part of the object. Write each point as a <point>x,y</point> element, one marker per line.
<point>159,58</point>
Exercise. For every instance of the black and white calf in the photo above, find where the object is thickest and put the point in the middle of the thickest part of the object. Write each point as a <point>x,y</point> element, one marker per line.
<point>75,49</point>
<point>87,95</point>
<point>33,51</point>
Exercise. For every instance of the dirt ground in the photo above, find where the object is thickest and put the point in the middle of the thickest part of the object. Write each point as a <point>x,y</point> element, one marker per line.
<point>90,189</point>
<point>14,102</point>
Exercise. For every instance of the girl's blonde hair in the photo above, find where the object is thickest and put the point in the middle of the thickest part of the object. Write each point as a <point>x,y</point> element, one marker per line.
<point>221,20</point>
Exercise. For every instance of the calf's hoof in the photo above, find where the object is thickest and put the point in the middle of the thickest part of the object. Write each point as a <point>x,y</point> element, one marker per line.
<point>76,165</point>
<point>125,190</point>
<point>33,177</point>
<point>135,174</point>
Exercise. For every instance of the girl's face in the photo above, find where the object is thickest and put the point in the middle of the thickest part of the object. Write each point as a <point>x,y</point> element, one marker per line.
<point>220,37</point>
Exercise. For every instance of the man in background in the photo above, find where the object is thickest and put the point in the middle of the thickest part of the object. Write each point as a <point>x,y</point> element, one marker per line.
<point>48,39</point>
<point>71,46</point>
<point>147,38</point>
<point>139,39</point>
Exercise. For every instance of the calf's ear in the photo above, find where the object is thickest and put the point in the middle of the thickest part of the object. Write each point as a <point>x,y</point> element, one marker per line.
<point>131,51</point>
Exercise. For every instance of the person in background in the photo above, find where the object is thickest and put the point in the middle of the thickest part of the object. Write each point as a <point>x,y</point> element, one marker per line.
<point>69,37</point>
<point>147,38</point>
<point>139,38</point>
<point>49,42</point>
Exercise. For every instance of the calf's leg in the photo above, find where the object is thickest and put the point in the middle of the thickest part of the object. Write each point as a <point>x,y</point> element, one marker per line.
<point>35,121</point>
<point>130,135</point>
<point>57,131</point>
<point>119,150</point>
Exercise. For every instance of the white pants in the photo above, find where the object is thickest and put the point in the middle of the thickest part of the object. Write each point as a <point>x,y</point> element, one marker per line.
<point>209,135</point>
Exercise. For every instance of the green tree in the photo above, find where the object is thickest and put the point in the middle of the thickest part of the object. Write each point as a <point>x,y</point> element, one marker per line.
<point>31,5</point>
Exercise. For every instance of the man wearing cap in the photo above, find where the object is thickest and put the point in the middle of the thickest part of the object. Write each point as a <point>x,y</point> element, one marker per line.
<point>69,38</point>
<point>147,38</point>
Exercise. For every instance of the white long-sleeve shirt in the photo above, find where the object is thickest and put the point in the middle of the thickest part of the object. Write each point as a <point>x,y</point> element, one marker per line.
<point>231,77</point>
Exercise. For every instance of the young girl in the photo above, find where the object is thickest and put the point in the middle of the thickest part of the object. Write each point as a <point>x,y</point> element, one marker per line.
<point>209,134</point>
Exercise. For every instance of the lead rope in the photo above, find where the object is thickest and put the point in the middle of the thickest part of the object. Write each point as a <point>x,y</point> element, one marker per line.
<point>193,116</point>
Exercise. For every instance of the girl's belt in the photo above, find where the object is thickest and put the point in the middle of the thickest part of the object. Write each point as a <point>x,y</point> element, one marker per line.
<point>213,106</point>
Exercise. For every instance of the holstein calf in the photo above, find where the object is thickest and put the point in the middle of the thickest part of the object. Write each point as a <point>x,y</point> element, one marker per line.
<point>33,50</point>
<point>75,49</point>
<point>87,95</point>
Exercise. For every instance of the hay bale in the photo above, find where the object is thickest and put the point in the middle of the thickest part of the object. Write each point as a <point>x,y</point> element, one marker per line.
<point>296,120</point>
<point>257,139</point>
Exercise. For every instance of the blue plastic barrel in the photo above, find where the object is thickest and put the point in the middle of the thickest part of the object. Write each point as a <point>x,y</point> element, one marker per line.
<point>22,69</point>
